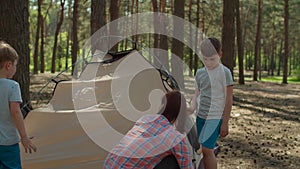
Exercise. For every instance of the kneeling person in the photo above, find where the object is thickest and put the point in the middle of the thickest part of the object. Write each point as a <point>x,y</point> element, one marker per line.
<point>154,140</point>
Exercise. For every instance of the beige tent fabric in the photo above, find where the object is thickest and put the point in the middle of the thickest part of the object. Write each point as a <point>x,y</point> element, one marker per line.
<point>68,130</point>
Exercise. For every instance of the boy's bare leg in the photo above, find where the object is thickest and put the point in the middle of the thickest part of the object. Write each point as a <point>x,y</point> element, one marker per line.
<point>209,158</point>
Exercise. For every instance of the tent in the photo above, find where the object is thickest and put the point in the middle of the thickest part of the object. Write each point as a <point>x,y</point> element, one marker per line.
<point>88,115</point>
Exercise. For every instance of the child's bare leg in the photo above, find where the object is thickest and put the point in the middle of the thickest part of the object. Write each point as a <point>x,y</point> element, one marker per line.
<point>209,158</point>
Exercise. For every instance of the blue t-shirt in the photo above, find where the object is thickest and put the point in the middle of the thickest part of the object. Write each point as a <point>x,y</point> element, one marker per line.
<point>212,85</point>
<point>10,92</point>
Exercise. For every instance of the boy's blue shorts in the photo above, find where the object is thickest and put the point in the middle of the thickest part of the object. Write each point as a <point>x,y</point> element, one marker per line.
<point>208,131</point>
<point>10,157</point>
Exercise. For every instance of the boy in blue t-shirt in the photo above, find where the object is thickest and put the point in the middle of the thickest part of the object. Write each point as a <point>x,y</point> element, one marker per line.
<point>212,99</point>
<point>12,126</point>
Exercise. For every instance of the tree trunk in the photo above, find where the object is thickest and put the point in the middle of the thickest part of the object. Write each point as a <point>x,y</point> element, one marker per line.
<point>58,26</point>
<point>126,31</point>
<point>245,33</point>
<point>74,47</point>
<point>68,33</point>
<point>273,49</point>
<point>137,19</point>
<point>114,14</point>
<point>67,50</point>
<point>286,41</point>
<point>42,67</point>
<point>280,57</point>
<point>257,41</point>
<point>42,61</point>
<point>163,43</point>
<point>98,16</point>
<point>37,37</point>
<point>177,46</point>
<point>196,57</point>
<point>98,20</point>
<point>239,35</point>
<point>15,31</point>
<point>132,20</point>
<point>114,9</point>
<point>156,29</point>
<point>228,34</point>
<point>190,37</point>
<point>203,16</point>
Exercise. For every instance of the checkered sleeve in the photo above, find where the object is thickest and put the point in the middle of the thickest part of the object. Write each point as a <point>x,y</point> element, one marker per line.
<point>183,155</point>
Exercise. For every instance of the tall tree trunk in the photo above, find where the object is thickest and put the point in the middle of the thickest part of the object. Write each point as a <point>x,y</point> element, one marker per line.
<point>203,16</point>
<point>114,14</point>
<point>177,46</point>
<point>245,28</point>
<point>190,37</point>
<point>98,20</point>
<point>137,20</point>
<point>37,37</point>
<point>15,30</point>
<point>70,9</point>
<point>228,34</point>
<point>74,47</point>
<point>239,35</point>
<point>114,9</point>
<point>59,50</point>
<point>42,60</point>
<point>273,49</point>
<point>280,57</point>
<point>67,50</point>
<point>58,26</point>
<point>196,57</point>
<point>156,29</point>
<point>126,12</point>
<point>132,21</point>
<point>98,15</point>
<point>257,41</point>
<point>42,53</point>
<point>163,39</point>
<point>286,41</point>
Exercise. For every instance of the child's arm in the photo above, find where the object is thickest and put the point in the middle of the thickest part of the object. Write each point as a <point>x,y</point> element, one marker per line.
<point>193,106</point>
<point>18,120</point>
<point>227,110</point>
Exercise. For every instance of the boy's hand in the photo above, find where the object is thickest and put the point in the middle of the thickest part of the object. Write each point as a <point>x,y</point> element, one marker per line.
<point>224,129</point>
<point>28,145</point>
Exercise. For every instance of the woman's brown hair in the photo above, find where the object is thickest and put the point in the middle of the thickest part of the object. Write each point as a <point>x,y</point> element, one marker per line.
<point>174,104</point>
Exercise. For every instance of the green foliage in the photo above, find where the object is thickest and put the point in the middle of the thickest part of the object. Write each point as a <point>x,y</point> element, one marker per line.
<point>272,27</point>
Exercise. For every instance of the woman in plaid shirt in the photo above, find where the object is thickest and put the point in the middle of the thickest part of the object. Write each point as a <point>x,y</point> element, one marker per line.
<point>152,139</point>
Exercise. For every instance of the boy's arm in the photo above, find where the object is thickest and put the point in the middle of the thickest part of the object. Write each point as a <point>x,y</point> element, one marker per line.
<point>17,117</point>
<point>194,104</point>
<point>227,110</point>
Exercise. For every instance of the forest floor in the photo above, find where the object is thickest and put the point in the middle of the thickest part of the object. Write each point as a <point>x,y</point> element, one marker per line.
<point>264,126</point>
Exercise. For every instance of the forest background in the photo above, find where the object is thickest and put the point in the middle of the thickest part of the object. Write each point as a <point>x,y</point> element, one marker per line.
<point>259,37</point>
<point>261,46</point>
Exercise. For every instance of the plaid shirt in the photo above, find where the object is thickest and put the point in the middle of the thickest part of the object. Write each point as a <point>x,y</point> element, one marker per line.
<point>151,139</point>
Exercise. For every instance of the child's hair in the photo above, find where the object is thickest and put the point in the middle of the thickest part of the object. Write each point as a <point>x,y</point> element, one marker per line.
<point>174,103</point>
<point>210,47</point>
<point>7,53</point>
